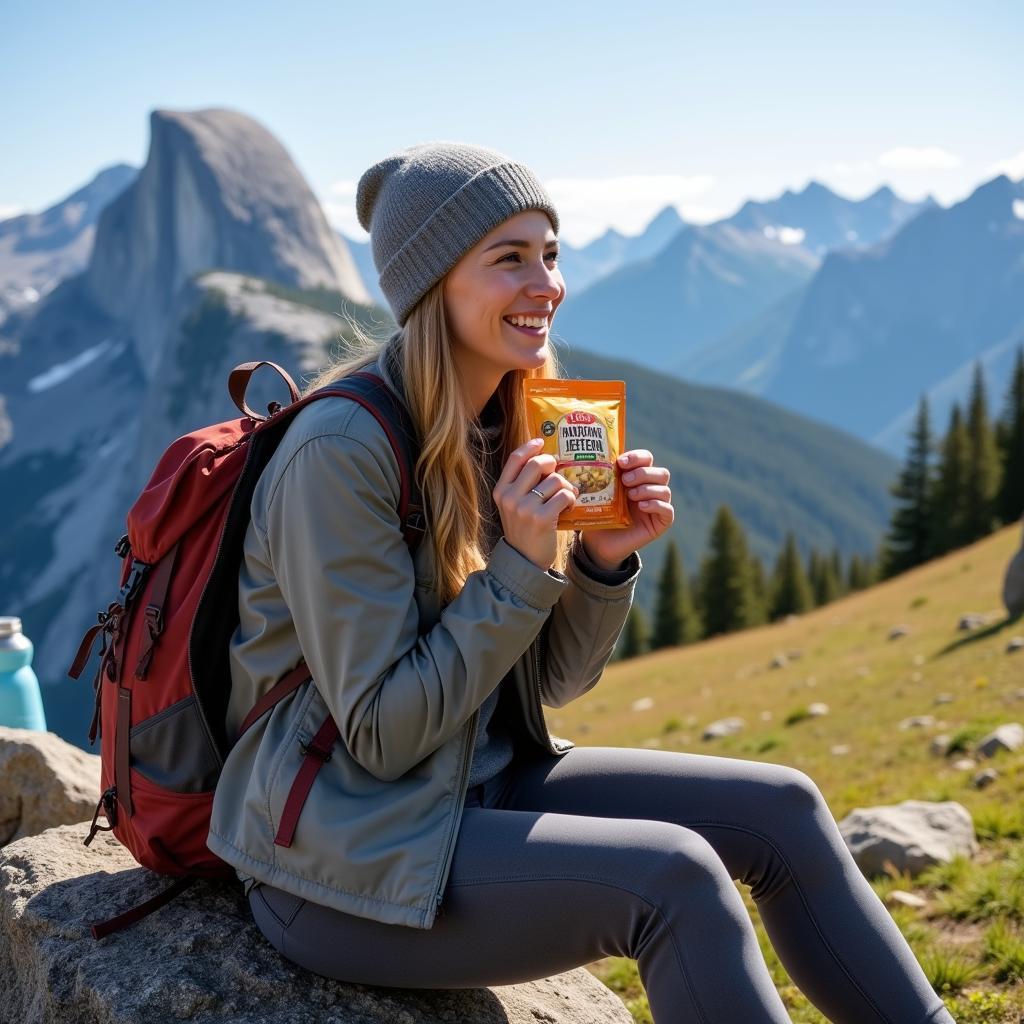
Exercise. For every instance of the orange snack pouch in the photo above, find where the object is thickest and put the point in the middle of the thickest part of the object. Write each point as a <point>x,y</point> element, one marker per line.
<point>583,424</point>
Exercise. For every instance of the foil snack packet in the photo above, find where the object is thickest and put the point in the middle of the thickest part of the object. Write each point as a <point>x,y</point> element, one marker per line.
<point>583,424</point>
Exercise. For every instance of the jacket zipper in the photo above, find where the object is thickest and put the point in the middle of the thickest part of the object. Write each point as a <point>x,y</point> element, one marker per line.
<point>456,817</point>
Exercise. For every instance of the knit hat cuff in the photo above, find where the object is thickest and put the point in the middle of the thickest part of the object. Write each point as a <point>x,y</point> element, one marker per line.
<point>480,205</point>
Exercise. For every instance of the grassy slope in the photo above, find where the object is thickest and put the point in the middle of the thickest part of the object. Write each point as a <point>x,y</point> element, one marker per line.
<point>965,935</point>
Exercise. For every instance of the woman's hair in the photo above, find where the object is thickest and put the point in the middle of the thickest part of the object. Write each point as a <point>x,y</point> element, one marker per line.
<point>449,469</point>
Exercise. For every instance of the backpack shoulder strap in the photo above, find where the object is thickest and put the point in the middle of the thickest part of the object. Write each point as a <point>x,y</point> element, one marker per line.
<point>370,391</point>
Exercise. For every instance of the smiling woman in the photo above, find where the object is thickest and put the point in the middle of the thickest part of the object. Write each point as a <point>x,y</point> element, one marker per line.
<point>448,840</point>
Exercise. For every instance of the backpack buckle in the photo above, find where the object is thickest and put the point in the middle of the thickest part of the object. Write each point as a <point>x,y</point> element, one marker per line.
<point>310,749</point>
<point>122,547</point>
<point>134,581</point>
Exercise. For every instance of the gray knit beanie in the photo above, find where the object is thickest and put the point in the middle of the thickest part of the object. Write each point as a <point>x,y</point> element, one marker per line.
<point>426,205</point>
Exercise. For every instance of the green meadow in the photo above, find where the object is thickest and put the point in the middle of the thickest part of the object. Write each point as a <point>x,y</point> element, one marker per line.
<point>969,934</point>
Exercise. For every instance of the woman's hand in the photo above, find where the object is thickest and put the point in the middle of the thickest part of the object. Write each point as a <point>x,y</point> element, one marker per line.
<point>530,520</point>
<point>650,508</point>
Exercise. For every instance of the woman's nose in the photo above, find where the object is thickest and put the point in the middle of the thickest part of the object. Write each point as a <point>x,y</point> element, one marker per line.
<point>547,281</point>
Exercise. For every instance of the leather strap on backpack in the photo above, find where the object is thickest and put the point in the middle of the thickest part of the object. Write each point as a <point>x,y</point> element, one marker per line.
<point>318,753</point>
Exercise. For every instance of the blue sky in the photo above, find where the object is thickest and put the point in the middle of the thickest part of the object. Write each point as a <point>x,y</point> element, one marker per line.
<point>619,108</point>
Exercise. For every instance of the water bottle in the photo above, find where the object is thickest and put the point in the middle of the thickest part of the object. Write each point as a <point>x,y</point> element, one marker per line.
<point>21,704</point>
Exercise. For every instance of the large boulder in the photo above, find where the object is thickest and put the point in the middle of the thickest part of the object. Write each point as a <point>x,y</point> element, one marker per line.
<point>911,835</point>
<point>1013,585</point>
<point>43,782</point>
<point>202,959</point>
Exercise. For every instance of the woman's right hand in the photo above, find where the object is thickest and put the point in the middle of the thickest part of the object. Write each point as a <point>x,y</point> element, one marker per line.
<point>529,521</point>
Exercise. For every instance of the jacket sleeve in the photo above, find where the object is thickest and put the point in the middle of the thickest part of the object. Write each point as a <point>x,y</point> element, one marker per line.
<point>580,635</point>
<point>347,576</point>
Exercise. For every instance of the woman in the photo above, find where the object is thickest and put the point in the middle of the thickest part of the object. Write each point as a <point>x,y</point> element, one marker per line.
<point>450,840</point>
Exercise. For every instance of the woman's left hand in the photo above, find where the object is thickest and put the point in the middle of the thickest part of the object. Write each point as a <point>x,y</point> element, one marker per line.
<point>650,508</point>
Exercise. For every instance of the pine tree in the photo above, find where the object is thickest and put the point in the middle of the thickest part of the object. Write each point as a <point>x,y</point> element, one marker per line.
<point>674,616</point>
<point>908,542</point>
<point>949,509</point>
<point>759,585</point>
<point>634,634</point>
<point>727,590</point>
<point>836,572</point>
<point>982,482</point>
<point>1010,504</point>
<point>856,574</point>
<point>790,590</point>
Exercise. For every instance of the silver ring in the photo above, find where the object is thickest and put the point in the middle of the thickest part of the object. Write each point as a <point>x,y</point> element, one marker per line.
<point>533,490</point>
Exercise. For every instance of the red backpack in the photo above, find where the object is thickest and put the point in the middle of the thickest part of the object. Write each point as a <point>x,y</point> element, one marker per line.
<point>163,682</point>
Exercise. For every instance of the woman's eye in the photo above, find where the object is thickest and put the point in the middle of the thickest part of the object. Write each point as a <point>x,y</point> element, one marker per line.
<point>553,253</point>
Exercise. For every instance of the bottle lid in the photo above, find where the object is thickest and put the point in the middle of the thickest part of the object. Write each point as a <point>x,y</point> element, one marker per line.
<point>9,625</point>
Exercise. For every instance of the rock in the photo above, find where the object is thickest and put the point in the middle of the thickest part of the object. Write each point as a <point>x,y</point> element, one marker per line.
<point>965,764</point>
<point>912,835</point>
<point>840,749</point>
<point>643,704</point>
<point>794,654</point>
<point>1013,585</point>
<point>817,709</point>
<point>897,631</point>
<point>917,722</point>
<point>1016,644</point>
<point>202,959</point>
<point>906,899</point>
<point>940,745</point>
<point>44,781</point>
<point>972,620</point>
<point>1006,737</point>
<point>944,698</point>
<point>984,778</point>
<point>779,661</point>
<point>723,727</point>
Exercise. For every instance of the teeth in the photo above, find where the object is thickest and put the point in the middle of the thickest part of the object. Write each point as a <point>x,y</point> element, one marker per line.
<point>527,321</point>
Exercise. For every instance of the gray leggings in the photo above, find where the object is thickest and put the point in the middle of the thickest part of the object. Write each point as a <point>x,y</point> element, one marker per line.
<point>609,851</point>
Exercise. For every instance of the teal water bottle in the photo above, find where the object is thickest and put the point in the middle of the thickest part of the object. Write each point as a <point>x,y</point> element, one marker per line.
<point>21,704</point>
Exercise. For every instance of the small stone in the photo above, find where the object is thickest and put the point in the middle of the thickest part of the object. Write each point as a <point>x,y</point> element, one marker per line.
<point>984,778</point>
<point>917,722</point>
<point>817,709</point>
<point>723,727</point>
<point>779,661</point>
<point>1016,644</point>
<point>643,704</point>
<point>897,631</point>
<point>940,745</point>
<point>965,764</point>
<point>971,620</point>
<point>840,749</point>
<point>1005,737</point>
<point>944,698</point>
<point>794,654</point>
<point>906,899</point>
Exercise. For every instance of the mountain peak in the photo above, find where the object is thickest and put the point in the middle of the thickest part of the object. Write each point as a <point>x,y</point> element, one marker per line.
<point>217,191</point>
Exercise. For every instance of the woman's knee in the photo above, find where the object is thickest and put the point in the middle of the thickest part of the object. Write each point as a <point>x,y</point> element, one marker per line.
<point>678,859</point>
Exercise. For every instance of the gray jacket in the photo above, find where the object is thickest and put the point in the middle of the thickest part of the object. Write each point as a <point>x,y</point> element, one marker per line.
<point>326,574</point>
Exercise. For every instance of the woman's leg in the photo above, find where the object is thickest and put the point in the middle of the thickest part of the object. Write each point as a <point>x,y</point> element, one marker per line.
<point>773,831</point>
<point>534,894</point>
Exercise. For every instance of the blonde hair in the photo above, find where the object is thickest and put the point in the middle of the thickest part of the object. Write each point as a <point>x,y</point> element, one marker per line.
<point>449,468</point>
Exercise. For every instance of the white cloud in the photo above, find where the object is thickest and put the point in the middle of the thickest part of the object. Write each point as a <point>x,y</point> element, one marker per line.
<point>1018,209</point>
<point>7,211</point>
<point>919,158</point>
<point>586,206</point>
<point>1012,167</point>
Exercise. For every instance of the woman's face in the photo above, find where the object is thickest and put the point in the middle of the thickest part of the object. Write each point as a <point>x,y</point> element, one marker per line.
<point>511,270</point>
